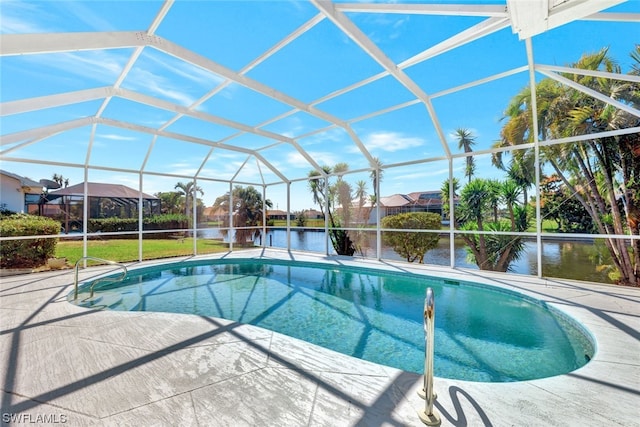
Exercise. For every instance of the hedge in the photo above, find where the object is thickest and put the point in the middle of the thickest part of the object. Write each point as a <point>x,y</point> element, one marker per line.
<point>155,222</point>
<point>27,253</point>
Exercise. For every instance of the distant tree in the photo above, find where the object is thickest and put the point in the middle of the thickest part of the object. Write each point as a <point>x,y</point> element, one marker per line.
<point>189,191</point>
<point>60,180</point>
<point>170,202</point>
<point>466,140</point>
<point>556,203</point>
<point>328,198</point>
<point>376,177</point>
<point>300,219</point>
<point>446,196</point>
<point>412,246</point>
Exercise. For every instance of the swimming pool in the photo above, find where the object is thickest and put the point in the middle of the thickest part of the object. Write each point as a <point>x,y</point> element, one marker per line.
<point>482,333</point>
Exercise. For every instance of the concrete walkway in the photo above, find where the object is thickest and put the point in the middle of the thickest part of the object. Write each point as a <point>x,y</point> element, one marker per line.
<point>66,365</point>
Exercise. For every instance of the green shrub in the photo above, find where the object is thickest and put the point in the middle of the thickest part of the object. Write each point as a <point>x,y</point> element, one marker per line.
<point>27,253</point>
<point>412,245</point>
<point>155,222</point>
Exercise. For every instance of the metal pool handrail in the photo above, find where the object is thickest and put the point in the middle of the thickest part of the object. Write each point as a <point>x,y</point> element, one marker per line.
<point>105,279</point>
<point>429,416</point>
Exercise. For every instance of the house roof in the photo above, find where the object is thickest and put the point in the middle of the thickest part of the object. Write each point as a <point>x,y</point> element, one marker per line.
<point>276,212</point>
<point>96,189</point>
<point>24,181</point>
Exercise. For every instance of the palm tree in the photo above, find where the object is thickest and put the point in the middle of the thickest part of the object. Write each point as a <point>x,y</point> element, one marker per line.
<point>466,140</point>
<point>361,196</point>
<point>247,209</point>
<point>446,196</point>
<point>327,197</point>
<point>606,168</point>
<point>509,193</point>
<point>376,177</point>
<point>60,180</point>
<point>188,190</point>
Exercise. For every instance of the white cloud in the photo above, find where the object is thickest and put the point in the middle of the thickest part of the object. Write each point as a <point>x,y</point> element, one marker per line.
<point>391,141</point>
<point>115,137</point>
<point>146,81</point>
<point>425,173</point>
<point>87,16</point>
<point>296,159</point>
<point>20,17</point>
<point>184,69</point>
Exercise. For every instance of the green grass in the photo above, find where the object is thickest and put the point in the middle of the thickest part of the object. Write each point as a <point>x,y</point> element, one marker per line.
<point>127,250</point>
<point>315,223</point>
<point>548,226</point>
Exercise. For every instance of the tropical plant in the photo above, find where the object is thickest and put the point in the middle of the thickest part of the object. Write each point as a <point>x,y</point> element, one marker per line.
<point>557,204</point>
<point>247,207</point>
<point>330,195</point>
<point>170,202</point>
<point>466,140</point>
<point>376,178</point>
<point>189,191</point>
<point>412,245</point>
<point>603,172</point>
<point>477,213</point>
<point>300,218</point>
<point>445,191</point>
<point>60,180</point>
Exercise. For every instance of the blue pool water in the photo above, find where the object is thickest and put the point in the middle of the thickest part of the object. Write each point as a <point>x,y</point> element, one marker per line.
<point>481,333</point>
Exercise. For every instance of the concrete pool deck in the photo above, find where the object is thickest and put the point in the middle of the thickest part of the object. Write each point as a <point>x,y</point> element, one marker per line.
<point>66,365</point>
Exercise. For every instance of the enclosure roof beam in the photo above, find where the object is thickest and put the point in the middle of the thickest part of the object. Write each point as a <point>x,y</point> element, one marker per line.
<point>51,101</point>
<point>187,138</point>
<point>353,32</point>
<point>26,44</point>
<point>207,64</point>
<point>592,73</point>
<point>469,35</point>
<point>45,131</point>
<point>165,105</point>
<point>425,9</point>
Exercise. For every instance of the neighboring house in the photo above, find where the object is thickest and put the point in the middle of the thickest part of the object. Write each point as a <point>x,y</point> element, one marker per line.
<point>313,214</point>
<point>105,201</point>
<point>16,192</point>
<point>278,214</point>
<point>419,201</point>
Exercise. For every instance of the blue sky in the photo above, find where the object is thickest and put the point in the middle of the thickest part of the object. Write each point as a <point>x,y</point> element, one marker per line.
<point>319,62</point>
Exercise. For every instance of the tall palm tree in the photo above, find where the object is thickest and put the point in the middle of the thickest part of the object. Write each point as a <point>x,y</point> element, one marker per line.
<point>604,167</point>
<point>466,140</point>
<point>247,208</point>
<point>376,177</point>
<point>188,190</point>
<point>446,196</point>
<point>361,196</point>
<point>327,198</point>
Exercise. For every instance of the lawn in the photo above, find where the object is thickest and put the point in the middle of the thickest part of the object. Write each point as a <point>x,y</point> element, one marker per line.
<point>124,250</point>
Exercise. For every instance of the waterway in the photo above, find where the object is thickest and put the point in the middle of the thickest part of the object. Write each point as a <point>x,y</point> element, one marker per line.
<point>579,260</point>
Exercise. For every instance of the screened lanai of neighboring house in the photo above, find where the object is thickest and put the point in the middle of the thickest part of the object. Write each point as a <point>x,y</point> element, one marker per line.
<point>375,98</point>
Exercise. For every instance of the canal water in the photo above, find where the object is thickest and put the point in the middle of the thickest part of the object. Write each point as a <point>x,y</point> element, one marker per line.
<point>577,260</point>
